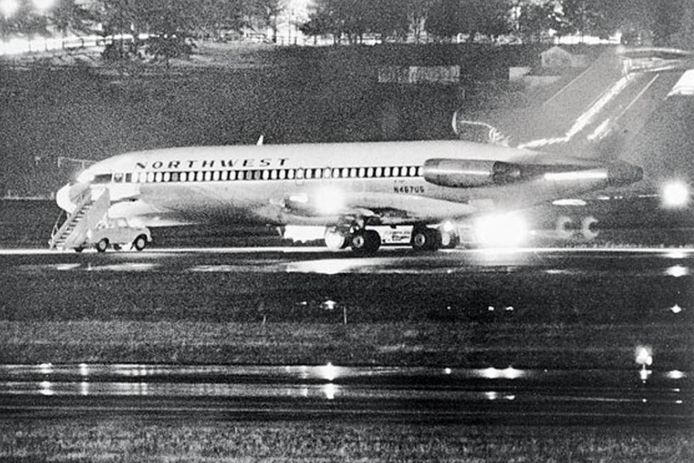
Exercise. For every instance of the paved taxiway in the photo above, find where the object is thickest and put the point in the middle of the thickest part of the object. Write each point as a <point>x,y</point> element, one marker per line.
<point>628,290</point>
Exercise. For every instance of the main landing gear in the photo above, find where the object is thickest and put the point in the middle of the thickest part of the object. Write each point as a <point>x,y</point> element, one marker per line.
<point>368,241</point>
<point>365,241</point>
<point>361,241</point>
<point>430,239</point>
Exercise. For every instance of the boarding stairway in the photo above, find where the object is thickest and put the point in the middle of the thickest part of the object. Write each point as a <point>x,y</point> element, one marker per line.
<point>90,208</point>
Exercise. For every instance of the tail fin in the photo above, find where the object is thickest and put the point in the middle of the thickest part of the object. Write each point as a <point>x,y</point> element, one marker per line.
<point>600,112</point>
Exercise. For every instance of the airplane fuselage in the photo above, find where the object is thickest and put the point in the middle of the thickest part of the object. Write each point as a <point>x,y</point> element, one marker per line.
<point>296,184</point>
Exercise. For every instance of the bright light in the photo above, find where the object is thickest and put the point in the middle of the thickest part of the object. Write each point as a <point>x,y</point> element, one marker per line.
<point>599,174</point>
<point>677,271</point>
<point>500,230</point>
<point>506,373</point>
<point>43,5</point>
<point>329,200</point>
<point>328,372</point>
<point>448,226</point>
<point>46,388</point>
<point>9,7</point>
<point>329,391</point>
<point>676,374</point>
<point>303,233</point>
<point>569,202</point>
<point>675,194</point>
<point>644,374</point>
<point>329,305</point>
<point>512,373</point>
<point>676,254</point>
<point>676,309</point>
<point>644,356</point>
<point>46,368</point>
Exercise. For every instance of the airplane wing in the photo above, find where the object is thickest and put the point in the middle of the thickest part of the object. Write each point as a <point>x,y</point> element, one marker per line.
<point>371,207</point>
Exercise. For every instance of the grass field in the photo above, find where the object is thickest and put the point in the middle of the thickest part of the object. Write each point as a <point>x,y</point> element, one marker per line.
<point>173,315</point>
<point>440,344</point>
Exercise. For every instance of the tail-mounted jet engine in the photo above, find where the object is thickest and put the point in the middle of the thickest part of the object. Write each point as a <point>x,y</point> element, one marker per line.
<point>469,173</point>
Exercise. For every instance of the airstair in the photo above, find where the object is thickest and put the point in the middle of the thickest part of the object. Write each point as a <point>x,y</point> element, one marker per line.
<point>90,209</point>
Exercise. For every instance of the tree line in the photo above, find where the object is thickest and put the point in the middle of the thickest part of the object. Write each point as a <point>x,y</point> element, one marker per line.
<point>172,24</point>
<point>529,20</point>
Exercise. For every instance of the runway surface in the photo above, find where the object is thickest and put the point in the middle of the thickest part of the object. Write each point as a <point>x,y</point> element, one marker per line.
<point>531,336</point>
<point>318,260</point>
<point>510,396</point>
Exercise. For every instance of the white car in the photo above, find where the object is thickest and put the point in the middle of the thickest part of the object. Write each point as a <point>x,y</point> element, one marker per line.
<point>117,234</point>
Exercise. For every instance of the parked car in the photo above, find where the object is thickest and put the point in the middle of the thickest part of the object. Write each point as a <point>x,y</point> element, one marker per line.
<point>117,234</point>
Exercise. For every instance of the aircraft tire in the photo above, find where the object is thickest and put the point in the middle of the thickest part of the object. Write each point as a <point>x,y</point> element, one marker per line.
<point>335,240</point>
<point>102,245</point>
<point>426,239</point>
<point>587,228</point>
<point>140,242</point>
<point>449,240</point>
<point>366,241</point>
<point>79,249</point>
<point>563,228</point>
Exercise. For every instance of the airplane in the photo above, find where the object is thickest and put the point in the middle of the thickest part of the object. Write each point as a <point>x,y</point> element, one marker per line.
<point>355,191</point>
<point>348,188</point>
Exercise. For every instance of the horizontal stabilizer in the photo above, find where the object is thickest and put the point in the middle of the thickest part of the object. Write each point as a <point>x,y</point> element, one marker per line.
<point>477,131</point>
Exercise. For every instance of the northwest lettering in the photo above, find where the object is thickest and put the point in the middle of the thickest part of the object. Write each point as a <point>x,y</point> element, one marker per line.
<point>213,163</point>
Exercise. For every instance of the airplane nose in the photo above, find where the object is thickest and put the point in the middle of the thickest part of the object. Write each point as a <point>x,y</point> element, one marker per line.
<point>68,196</point>
<point>621,173</point>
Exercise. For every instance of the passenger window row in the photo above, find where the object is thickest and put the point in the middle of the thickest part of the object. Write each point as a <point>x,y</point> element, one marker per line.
<point>268,174</point>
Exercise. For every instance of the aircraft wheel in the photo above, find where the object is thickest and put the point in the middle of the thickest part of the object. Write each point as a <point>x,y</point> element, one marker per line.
<point>588,228</point>
<point>79,249</point>
<point>102,245</point>
<point>564,229</point>
<point>449,240</point>
<point>426,239</point>
<point>116,247</point>
<point>335,240</point>
<point>366,241</point>
<point>140,242</point>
